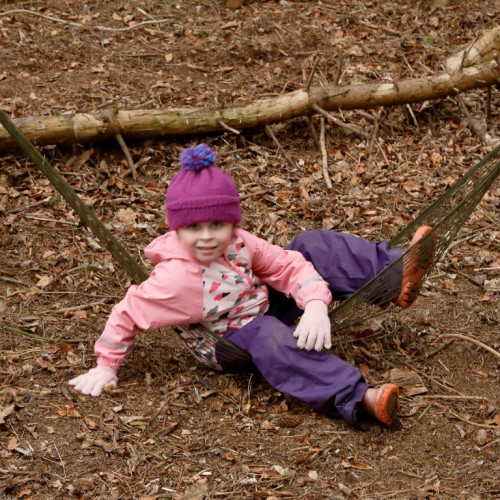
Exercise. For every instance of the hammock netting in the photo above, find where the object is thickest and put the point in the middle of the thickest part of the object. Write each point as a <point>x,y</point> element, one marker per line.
<point>446,216</point>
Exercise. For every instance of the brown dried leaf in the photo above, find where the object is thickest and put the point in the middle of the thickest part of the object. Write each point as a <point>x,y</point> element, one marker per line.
<point>5,412</point>
<point>231,391</point>
<point>127,215</point>
<point>64,348</point>
<point>89,442</point>
<point>12,443</point>
<point>67,411</point>
<point>44,281</point>
<point>46,364</point>
<point>24,492</point>
<point>82,314</point>
<point>196,491</point>
<point>449,285</point>
<point>351,463</point>
<point>91,424</point>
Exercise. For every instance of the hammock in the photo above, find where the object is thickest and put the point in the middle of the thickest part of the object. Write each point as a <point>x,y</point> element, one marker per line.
<point>446,216</point>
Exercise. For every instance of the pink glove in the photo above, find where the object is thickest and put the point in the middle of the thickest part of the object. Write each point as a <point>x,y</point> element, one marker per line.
<point>313,330</point>
<point>95,380</point>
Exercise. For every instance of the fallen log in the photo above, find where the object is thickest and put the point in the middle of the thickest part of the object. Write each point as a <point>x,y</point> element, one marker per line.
<point>106,124</point>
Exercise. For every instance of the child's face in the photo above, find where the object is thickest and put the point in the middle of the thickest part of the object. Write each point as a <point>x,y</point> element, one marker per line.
<point>206,241</point>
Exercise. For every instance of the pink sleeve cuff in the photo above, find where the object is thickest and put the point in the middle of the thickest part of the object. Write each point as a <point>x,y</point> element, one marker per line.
<point>109,363</point>
<point>315,293</point>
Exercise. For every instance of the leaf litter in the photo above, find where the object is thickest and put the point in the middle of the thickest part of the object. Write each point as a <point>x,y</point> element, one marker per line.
<point>173,429</point>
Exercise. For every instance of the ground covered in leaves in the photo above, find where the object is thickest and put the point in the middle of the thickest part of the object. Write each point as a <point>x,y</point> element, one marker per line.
<point>173,429</point>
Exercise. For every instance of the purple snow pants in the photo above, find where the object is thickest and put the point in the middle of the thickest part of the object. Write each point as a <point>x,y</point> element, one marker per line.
<point>324,382</point>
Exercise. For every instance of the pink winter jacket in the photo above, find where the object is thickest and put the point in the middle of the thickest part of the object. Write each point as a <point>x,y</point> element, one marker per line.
<point>173,294</point>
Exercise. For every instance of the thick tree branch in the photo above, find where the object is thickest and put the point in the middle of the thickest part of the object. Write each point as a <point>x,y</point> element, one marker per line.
<point>103,125</point>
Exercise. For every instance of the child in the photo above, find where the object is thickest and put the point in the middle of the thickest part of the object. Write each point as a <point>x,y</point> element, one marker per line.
<point>210,271</point>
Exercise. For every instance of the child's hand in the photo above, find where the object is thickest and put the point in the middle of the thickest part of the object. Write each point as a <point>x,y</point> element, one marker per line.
<point>95,380</point>
<point>313,330</point>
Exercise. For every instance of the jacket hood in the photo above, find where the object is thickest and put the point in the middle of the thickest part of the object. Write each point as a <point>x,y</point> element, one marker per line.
<point>166,247</point>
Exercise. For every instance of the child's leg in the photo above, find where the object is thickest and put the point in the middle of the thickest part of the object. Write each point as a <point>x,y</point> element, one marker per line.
<point>345,261</point>
<point>326,383</point>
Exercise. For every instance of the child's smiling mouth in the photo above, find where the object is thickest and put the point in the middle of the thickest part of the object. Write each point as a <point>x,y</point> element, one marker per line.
<point>207,249</point>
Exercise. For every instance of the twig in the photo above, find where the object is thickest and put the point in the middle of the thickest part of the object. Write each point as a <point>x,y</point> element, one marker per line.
<point>378,28</point>
<point>228,128</point>
<point>412,114</point>
<point>474,341</point>
<point>338,122</point>
<point>490,443</point>
<point>46,219</point>
<point>421,416</point>
<point>144,13</point>
<point>340,64</point>
<point>16,472</point>
<point>467,50</point>
<point>60,459</point>
<point>470,278</point>
<point>84,267</point>
<point>459,242</point>
<point>314,134</point>
<point>80,25</point>
<point>488,106</point>
<point>484,426</point>
<point>324,155</point>
<point>256,193</point>
<point>282,151</point>
<point>311,75</point>
<point>410,474</point>
<point>439,349</point>
<point>78,308</point>
<point>137,165</point>
<point>13,281</point>
<point>373,138</point>
<point>126,152</point>
<point>39,337</point>
<point>430,377</point>
<point>27,207</point>
<point>441,396</point>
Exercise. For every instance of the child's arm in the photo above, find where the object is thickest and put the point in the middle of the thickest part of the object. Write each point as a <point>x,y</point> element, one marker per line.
<point>313,330</point>
<point>162,300</point>
<point>287,271</point>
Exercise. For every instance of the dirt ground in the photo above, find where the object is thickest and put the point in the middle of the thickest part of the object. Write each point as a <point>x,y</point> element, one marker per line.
<point>173,429</point>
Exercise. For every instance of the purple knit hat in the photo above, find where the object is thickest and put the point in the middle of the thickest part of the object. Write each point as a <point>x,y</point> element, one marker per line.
<point>201,192</point>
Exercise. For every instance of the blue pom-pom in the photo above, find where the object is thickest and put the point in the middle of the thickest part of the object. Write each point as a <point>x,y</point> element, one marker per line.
<point>197,158</point>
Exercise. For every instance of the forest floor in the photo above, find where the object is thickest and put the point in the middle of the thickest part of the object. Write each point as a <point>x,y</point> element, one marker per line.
<point>173,429</point>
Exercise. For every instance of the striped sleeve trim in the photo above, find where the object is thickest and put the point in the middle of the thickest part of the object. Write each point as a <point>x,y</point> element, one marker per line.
<point>305,283</point>
<point>123,348</point>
